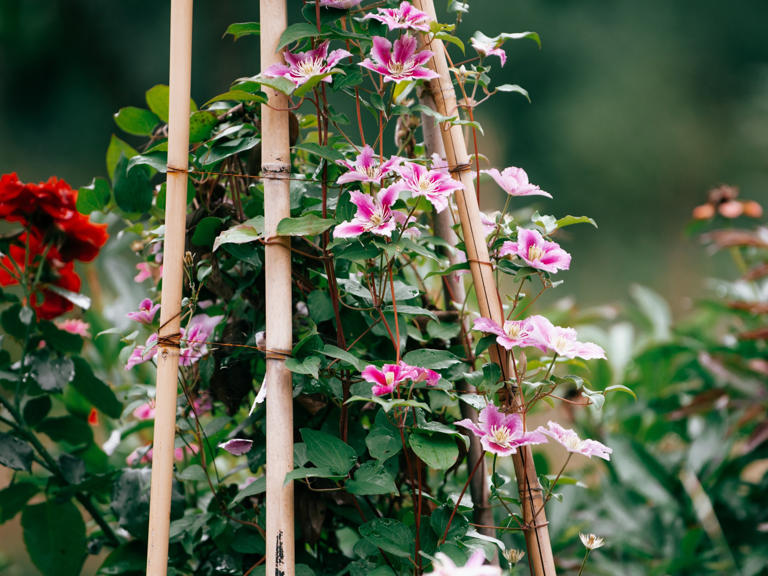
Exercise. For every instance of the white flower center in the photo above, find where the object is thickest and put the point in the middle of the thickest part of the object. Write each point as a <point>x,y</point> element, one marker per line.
<point>425,185</point>
<point>372,171</point>
<point>310,67</point>
<point>572,442</point>
<point>501,436</point>
<point>512,329</point>
<point>396,68</point>
<point>390,378</point>
<point>560,343</point>
<point>377,219</point>
<point>535,253</point>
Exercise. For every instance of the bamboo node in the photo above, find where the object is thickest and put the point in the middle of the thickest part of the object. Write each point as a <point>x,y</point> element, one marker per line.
<point>275,171</point>
<point>169,340</point>
<point>174,170</point>
<point>481,262</point>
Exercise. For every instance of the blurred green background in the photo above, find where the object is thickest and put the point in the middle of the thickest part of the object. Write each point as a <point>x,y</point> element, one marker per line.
<point>638,108</point>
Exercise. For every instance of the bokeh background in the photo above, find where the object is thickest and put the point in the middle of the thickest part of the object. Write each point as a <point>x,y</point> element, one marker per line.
<point>638,109</point>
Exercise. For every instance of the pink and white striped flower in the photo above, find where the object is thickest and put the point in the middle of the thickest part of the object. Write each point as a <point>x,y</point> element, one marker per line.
<point>571,441</point>
<point>475,566</point>
<point>563,341</point>
<point>195,338</point>
<point>486,46</point>
<point>402,18</point>
<point>518,333</point>
<point>537,252</point>
<point>145,412</point>
<point>514,181</point>
<point>435,185</point>
<point>302,66</point>
<point>146,312</point>
<point>399,62</point>
<point>386,379</point>
<point>367,168</point>
<point>419,374</point>
<point>340,4</point>
<point>501,433</point>
<point>374,214</point>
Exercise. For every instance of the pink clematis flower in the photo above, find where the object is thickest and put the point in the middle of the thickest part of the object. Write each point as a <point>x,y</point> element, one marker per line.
<point>340,4</point>
<point>143,454</point>
<point>518,333</point>
<point>571,441</point>
<point>435,185</point>
<point>199,330</point>
<point>475,566</point>
<point>537,252</point>
<point>514,181</point>
<point>144,412</point>
<point>562,341</point>
<point>486,46</point>
<point>144,272</point>
<point>237,446</point>
<point>74,326</point>
<point>400,62</point>
<point>402,18</point>
<point>501,433</point>
<point>419,374</point>
<point>305,65</point>
<point>374,214</point>
<point>386,380</point>
<point>141,354</point>
<point>366,167</point>
<point>146,312</point>
<point>489,222</point>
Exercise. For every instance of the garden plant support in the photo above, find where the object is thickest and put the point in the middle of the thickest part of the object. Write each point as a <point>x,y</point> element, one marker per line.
<point>537,535</point>
<point>173,270</point>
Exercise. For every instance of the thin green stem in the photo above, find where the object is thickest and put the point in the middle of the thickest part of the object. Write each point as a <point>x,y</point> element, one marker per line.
<point>584,562</point>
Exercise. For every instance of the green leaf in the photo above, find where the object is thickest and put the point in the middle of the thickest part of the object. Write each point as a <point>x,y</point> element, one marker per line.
<point>326,451</point>
<point>193,472</point>
<point>137,121</point>
<point>51,373</point>
<point>94,390</point>
<point>133,191</point>
<point>14,498</point>
<point>279,83</point>
<point>433,113</point>
<point>201,124</point>
<point>436,451</point>
<point>258,486</point>
<point>327,152</point>
<point>390,535</point>
<point>220,151</point>
<point>309,366</point>
<point>248,231</point>
<point>339,353</point>
<point>69,429</point>
<point>320,307</point>
<point>620,388</point>
<point>514,88</point>
<point>390,404</point>
<point>206,230</point>
<point>238,96</point>
<point>301,473</point>
<point>93,197</point>
<point>129,558</point>
<point>35,409</point>
<point>157,100</point>
<point>130,500</point>
<point>429,358</point>
<point>445,37</point>
<point>520,35</point>
<point>296,32</point>
<point>54,533</point>
<point>439,522</point>
<point>371,479</point>
<point>155,160</point>
<point>409,310</point>
<point>307,225</point>
<point>383,441</point>
<point>117,149</point>
<point>570,220</point>
<point>240,29</point>
<point>15,453</point>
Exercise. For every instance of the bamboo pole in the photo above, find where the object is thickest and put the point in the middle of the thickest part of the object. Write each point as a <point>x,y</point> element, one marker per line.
<point>537,540</point>
<point>454,295</point>
<point>170,303</point>
<point>275,166</point>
